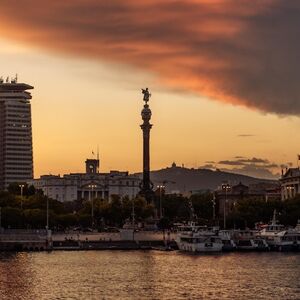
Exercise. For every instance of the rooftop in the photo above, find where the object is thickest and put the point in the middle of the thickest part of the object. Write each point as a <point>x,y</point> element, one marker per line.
<point>291,172</point>
<point>9,86</point>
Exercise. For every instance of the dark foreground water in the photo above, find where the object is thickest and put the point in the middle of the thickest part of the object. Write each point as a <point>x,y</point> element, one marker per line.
<point>148,275</point>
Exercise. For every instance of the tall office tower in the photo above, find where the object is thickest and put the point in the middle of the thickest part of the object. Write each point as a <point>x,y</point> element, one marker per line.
<point>16,160</point>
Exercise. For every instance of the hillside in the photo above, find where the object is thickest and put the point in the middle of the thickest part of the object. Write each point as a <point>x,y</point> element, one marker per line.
<point>186,180</point>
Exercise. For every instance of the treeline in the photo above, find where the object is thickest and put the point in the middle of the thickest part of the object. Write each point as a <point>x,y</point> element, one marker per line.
<point>29,211</point>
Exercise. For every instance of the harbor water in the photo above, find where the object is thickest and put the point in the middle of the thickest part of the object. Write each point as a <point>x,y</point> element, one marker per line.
<point>148,275</point>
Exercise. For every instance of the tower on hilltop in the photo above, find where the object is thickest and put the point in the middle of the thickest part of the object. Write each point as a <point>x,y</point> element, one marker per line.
<point>16,159</point>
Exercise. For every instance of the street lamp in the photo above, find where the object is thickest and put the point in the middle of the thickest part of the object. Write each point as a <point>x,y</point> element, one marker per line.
<point>21,186</point>
<point>133,219</point>
<point>234,204</point>
<point>225,187</point>
<point>213,200</point>
<point>91,198</point>
<point>160,204</point>
<point>47,217</point>
<point>47,210</point>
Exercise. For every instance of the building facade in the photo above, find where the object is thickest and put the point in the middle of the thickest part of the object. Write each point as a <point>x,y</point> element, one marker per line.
<point>16,159</point>
<point>89,185</point>
<point>228,195</point>
<point>290,183</point>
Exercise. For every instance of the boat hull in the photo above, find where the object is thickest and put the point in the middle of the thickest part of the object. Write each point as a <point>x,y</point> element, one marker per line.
<point>200,247</point>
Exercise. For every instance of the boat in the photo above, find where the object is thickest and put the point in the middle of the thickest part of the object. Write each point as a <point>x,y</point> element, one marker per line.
<point>227,241</point>
<point>197,239</point>
<point>280,238</point>
<point>246,240</point>
<point>262,245</point>
<point>297,227</point>
<point>297,230</point>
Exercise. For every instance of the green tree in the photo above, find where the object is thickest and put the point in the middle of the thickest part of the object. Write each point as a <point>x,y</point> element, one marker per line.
<point>203,205</point>
<point>35,218</point>
<point>176,207</point>
<point>11,217</point>
<point>66,220</point>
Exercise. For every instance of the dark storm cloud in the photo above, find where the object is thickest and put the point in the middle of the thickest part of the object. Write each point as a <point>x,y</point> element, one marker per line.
<point>244,53</point>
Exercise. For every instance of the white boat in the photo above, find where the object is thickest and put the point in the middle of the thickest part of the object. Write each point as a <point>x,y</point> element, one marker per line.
<point>262,245</point>
<point>193,238</point>
<point>246,240</point>
<point>297,228</point>
<point>280,238</point>
<point>228,242</point>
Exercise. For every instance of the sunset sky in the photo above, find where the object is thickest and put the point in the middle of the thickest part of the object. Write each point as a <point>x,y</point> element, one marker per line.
<point>224,78</point>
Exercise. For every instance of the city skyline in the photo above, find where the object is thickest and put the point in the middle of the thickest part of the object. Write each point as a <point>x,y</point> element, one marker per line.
<point>85,96</point>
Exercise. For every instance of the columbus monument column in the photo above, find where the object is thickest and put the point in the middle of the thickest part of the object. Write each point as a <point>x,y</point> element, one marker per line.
<point>146,185</point>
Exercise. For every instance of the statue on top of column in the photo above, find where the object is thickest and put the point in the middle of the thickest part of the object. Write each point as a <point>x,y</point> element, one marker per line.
<point>147,95</point>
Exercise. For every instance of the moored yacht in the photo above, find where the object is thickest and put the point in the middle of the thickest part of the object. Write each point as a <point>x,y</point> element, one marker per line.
<point>297,228</point>
<point>193,238</point>
<point>280,238</point>
<point>246,240</point>
<point>228,242</point>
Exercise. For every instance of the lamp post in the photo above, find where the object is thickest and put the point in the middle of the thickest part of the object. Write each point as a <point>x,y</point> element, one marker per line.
<point>160,203</point>
<point>133,214</point>
<point>234,204</point>
<point>92,186</point>
<point>47,208</point>
<point>225,187</point>
<point>47,224</point>
<point>133,219</point>
<point>21,186</point>
<point>213,200</point>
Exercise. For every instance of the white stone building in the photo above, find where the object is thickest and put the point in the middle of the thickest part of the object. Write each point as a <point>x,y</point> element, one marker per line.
<point>89,185</point>
<point>290,183</point>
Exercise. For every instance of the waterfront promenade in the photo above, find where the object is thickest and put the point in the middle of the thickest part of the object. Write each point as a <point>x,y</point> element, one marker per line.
<point>40,240</point>
<point>113,236</point>
<point>123,240</point>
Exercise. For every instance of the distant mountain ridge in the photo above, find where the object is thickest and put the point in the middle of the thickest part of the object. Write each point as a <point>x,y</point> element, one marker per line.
<point>186,180</point>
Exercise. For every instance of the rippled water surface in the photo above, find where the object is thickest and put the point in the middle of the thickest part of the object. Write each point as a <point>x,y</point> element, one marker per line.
<point>148,275</point>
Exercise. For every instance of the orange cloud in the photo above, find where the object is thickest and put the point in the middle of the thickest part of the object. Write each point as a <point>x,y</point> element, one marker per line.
<point>242,52</point>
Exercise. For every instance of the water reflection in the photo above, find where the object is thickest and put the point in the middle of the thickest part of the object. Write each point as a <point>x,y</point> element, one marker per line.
<point>148,275</point>
<point>16,275</point>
